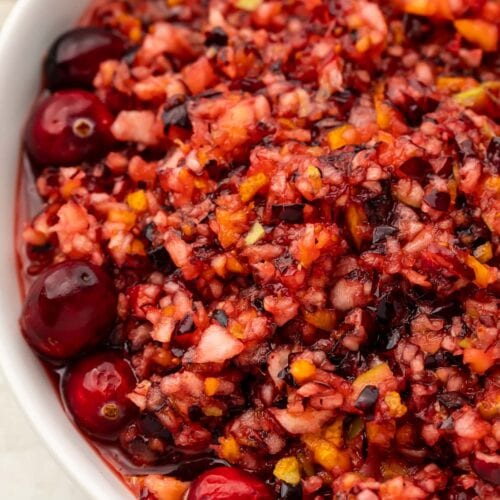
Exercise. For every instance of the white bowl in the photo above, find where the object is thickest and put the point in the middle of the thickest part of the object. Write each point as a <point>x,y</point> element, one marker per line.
<point>30,29</point>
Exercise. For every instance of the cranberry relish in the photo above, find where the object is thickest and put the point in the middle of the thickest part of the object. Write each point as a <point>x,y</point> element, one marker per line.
<point>270,243</point>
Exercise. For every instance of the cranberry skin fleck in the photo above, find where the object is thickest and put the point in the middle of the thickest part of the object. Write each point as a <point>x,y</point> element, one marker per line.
<point>74,58</point>
<point>69,308</point>
<point>95,391</point>
<point>68,128</point>
<point>228,483</point>
<point>438,200</point>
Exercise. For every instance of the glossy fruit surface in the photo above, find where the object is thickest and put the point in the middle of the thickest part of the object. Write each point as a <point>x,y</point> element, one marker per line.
<point>95,390</point>
<point>68,128</point>
<point>228,483</point>
<point>68,309</point>
<point>75,57</point>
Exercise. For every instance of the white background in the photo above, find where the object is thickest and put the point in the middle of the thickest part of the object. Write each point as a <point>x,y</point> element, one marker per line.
<point>27,470</point>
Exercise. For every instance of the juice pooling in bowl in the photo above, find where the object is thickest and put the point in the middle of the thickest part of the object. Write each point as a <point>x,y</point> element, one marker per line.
<point>266,259</point>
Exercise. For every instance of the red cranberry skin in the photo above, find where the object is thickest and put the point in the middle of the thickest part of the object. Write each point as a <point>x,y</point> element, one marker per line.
<point>69,308</point>
<point>228,483</point>
<point>95,391</point>
<point>68,128</point>
<point>74,58</point>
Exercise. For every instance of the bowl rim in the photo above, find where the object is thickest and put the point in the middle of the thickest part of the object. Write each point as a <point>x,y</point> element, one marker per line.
<point>73,452</point>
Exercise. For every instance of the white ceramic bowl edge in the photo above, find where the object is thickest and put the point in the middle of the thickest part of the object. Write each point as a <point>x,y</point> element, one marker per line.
<point>29,30</point>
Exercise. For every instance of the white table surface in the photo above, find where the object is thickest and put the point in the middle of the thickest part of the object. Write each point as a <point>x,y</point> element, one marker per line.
<point>27,470</point>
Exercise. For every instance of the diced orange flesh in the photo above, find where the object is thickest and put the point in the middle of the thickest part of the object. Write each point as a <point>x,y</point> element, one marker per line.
<point>356,218</point>
<point>326,454</point>
<point>211,386</point>
<point>478,360</point>
<point>323,319</point>
<point>342,136</point>
<point>455,83</point>
<point>123,216</point>
<point>252,185</point>
<point>483,273</point>
<point>229,449</point>
<point>302,370</point>
<point>165,488</point>
<point>480,32</point>
<point>288,469</point>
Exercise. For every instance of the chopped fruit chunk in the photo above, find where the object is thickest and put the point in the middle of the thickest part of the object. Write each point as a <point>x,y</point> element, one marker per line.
<point>229,449</point>
<point>138,201</point>
<point>211,386</point>
<point>378,376</point>
<point>396,408</point>
<point>255,234</point>
<point>302,370</point>
<point>342,136</point>
<point>324,319</point>
<point>326,454</point>
<point>480,32</point>
<point>251,186</point>
<point>478,360</point>
<point>288,469</point>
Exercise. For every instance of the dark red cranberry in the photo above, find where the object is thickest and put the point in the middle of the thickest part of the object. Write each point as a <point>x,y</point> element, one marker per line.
<point>68,128</point>
<point>417,28</point>
<point>293,213</point>
<point>228,483</point>
<point>415,167</point>
<point>69,308</point>
<point>160,259</point>
<point>74,58</point>
<point>95,390</point>
<point>487,467</point>
<point>452,400</point>
<point>438,200</point>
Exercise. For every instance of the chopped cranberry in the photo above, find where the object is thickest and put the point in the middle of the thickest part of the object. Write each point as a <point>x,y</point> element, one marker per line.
<point>415,167</point>
<point>439,200</point>
<point>68,128</point>
<point>493,153</point>
<point>69,308</point>
<point>487,467</point>
<point>417,28</point>
<point>74,58</point>
<point>228,483</point>
<point>216,38</point>
<point>95,390</point>
<point>293,212</point>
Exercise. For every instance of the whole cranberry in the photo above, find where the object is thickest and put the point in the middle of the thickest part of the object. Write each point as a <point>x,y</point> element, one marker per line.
<point>68,128</point>
<point>228,483</point>
<point>74,58</point>
<point>69,308</point>
<point>95,390</point>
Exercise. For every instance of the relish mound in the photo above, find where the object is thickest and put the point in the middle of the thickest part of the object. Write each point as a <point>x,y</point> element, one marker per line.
<point>300,210</point>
